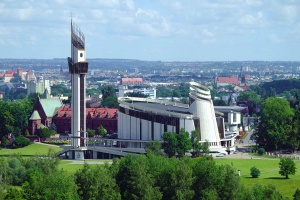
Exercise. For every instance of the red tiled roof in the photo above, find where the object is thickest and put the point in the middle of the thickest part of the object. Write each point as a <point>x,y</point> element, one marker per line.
<point>2,75</point>
<point>245,87</point>
<point>233,80</point>
<point>131,80</point>
<point>90,112</point>
<point>11,71</point>
<point>8,75</point>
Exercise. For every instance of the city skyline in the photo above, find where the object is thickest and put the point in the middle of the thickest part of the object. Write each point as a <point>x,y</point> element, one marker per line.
<point>154,29</point>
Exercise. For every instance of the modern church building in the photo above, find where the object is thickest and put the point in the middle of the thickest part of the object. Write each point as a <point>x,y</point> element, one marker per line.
<point>141,119</point>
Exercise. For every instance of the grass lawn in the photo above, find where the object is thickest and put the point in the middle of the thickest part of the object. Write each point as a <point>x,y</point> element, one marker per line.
<point>30,150</point>
<point>268,174</point>
<point>68,167</point>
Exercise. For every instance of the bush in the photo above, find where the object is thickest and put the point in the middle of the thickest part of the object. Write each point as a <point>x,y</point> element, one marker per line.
<point>21,142</point>
<point>261,151</point>
<point>254,172</point>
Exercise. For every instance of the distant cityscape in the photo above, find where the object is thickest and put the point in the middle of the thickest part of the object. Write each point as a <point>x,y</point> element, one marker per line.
<point>112,70</point>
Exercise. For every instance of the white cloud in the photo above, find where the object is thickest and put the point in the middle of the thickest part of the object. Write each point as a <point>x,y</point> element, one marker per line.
<point>275,38</point>
<point>207,33</point>
<point>290,12</point>
<point>252,19</point>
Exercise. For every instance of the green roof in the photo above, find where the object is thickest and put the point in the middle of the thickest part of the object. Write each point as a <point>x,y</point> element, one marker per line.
<point>50,106</point>
<point>35,115</point>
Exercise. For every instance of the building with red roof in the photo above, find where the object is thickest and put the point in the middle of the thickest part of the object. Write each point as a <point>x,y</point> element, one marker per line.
<point>48,111</point>
<point>131,81</point>
<point>224,81</point>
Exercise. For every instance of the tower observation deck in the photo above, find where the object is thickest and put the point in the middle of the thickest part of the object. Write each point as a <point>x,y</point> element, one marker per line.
<point>78,68</point>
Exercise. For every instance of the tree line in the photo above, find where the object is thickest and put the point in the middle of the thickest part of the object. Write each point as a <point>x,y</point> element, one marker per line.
<point>131,177</point>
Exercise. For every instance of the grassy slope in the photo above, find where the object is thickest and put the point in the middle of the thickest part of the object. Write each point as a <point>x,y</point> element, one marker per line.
<point>269,174</point>
<point>30,150</point>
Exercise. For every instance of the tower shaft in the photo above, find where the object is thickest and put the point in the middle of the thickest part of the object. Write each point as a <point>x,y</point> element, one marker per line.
<point>78,68</point>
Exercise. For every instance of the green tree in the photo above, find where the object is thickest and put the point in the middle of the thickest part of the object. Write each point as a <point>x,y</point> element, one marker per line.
<point>59,89</point>
<point>108,91</point>
<point>134,180</point>
<point>205,148</point>
<point>275,124</point>
<point>286,167</point>
<point>16,171</point>
<point>6,123</point>
<point>219,102</point>
<point>183,143</point>
<point>254,172</point>
<point>4,141</point>
<point>45,163</point>
<point>252,97</point>
<point>14,194</point>
<point>110,102</point>
<point>296,196</point>
<point>196,146</point>
<point>55,185</point>
<point>20,142</point>
<point>96,182</point>
<point>214,181</point>
<point>154,147</point>
<point>261,151</point>
<point>170,144</point>
<point>90,132</point>
<point>45,132</point>
<point>102,131</point>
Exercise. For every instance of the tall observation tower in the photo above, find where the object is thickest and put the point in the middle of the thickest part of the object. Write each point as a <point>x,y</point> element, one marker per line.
<point>78,68</point>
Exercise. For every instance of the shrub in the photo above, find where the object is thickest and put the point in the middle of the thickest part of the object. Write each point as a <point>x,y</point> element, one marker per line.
<point>21,142</point>
<point>261,151</point>
<point>254,172</point>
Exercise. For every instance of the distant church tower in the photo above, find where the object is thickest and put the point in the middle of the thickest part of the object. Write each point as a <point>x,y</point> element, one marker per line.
<point>78,68</point>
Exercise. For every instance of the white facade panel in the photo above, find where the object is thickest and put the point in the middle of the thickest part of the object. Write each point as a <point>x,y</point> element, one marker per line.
<point>189,125</point>
<point>157,131</point>
<point>145,128</point>
<point>149,130</point>
<point>133,128</point>
<point>138,128</point>
<point>119,124</point>
<point>127,125</point>
<point>171,129</point>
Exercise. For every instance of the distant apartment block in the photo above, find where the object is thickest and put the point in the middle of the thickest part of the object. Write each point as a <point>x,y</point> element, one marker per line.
<point>150,92</point>
<point>38,86</point>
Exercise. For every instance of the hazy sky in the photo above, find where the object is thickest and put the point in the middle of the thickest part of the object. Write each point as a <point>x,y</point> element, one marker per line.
<point>166,30</point>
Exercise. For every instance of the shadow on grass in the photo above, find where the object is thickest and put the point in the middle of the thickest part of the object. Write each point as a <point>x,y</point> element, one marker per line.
<point>249,177</point>
<point>280,178</point>
<point>277,178</point>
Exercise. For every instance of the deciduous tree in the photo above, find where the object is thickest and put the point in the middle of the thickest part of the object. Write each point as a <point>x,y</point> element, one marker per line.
<point>286,167</point>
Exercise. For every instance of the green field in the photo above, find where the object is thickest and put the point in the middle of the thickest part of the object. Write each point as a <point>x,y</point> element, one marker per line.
<point>67,166</point>
<point>268,174</point>
<point>30,150</point>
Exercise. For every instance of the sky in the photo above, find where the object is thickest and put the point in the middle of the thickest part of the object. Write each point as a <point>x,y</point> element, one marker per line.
<point>154,30</point>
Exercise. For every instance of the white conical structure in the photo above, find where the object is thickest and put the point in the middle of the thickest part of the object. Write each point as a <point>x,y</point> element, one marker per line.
<point>201,106</point>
